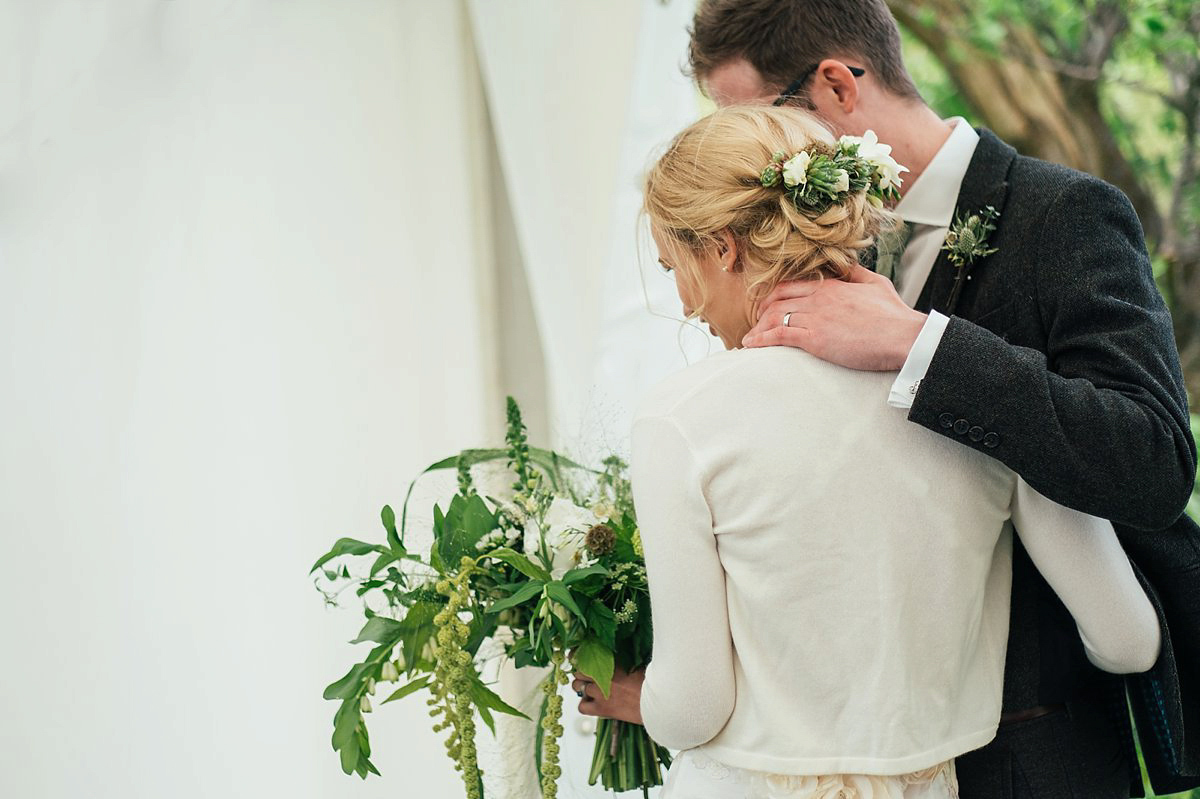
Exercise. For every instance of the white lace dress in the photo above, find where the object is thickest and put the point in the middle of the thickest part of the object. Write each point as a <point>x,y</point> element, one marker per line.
<point>695,775</point>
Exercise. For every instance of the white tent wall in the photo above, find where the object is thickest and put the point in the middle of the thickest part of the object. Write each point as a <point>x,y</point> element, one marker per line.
<point>558,77</point>
<point>239,307</point>
<point>260,262</point>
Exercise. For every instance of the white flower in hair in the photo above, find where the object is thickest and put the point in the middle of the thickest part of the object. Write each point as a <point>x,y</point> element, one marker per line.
<point>795,169</point>
<point>889,173</point>
<point>843,181</point>
<point>880,156</point>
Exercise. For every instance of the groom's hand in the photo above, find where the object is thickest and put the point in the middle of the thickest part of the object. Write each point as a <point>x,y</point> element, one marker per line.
<point>624,701</point>
<point>860,323</point>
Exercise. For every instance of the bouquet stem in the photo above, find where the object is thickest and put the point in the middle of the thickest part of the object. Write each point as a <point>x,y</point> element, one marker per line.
<point>625,758</point>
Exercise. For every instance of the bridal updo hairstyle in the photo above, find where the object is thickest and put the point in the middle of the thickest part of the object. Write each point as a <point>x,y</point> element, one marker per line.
<point>708,181</point>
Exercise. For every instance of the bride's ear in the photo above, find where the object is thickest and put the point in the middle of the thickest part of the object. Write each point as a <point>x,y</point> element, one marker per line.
<point>727,251</point>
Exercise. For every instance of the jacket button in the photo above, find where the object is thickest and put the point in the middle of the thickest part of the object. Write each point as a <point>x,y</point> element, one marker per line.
<point>991,440</point>
<point>962,426</point>
<point>975,433</point>
<point>946,420</point>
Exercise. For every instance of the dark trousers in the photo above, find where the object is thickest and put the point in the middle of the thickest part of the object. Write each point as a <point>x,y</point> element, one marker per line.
<point>1073,753</point>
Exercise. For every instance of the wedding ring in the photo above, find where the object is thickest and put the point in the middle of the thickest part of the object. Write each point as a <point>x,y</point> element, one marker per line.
<point>787,316</point>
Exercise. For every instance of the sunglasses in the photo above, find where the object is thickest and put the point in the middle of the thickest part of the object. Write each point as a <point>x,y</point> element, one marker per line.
<point>795,86</point>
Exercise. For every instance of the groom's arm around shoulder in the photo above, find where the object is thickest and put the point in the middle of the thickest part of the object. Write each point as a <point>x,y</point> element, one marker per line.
<point>1087,401</point>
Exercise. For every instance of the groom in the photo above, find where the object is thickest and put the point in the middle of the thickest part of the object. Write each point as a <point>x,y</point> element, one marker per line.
<point>1047,347</point>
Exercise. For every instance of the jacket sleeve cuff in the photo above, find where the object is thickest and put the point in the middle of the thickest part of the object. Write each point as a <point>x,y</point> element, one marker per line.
<point>904,389</point>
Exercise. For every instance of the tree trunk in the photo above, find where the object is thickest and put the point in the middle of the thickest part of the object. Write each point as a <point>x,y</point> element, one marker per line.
<point>1027,102</point>
<point>1036,106</point>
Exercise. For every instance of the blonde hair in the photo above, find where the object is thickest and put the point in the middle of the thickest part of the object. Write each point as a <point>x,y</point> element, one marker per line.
<point>708,182</point>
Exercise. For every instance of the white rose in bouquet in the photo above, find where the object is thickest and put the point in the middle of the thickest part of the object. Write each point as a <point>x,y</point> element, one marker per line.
<point>564,526</point>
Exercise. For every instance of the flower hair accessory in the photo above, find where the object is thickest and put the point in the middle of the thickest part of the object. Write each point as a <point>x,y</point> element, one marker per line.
<point>821,177</point>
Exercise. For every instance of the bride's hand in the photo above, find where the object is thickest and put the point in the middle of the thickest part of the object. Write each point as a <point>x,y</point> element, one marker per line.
<point>624,702</point>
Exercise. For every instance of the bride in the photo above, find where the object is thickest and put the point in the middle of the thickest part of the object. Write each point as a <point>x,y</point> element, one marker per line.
<point>829,583</point>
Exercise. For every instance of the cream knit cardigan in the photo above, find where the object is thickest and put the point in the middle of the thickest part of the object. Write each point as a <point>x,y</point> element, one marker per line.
<point>830,582</point>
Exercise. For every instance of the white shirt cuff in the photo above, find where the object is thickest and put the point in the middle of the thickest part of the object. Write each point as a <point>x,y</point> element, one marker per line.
<point>904,390</point>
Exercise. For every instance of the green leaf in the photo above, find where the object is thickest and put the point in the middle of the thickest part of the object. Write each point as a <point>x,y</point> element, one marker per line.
<point>521,595</point>
<point>388,517</point>
<point>384,559</point>
<point>521,563</point>
<point>602,622</point>
<point>486,715</point>
<point>349,754</point>
<point>380,630</point>
<point>346,546</point>
<point>562,595</point>
<point>351,685</point>
<point>418,623</point>
<point>345,722</point>
<point>410,688</point>
<point>467,520</point>
<point>575,575</point>
<point>369,585</point>
<point>596,661</point>
<point>523,658</point>
<point>484,697</point>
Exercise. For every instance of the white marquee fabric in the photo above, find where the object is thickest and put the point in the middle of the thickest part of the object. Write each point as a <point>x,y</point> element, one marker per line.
<point>260,262</point>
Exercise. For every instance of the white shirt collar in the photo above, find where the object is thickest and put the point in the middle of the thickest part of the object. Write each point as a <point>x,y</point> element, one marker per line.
<point>931,199</point>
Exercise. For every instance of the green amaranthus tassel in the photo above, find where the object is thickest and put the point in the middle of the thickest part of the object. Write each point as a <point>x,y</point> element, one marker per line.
<point>552,726</point>
<point>451,684</point>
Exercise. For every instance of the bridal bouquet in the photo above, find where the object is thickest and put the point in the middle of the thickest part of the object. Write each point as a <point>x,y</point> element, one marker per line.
<point>548,565</point>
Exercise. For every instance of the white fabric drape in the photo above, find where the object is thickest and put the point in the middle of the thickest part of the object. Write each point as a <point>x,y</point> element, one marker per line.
<point>239,308</point>
<point>257,260</point>
<point>581,94</point>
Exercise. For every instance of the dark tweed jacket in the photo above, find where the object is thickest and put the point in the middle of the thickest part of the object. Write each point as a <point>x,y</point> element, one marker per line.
<point>1059,361</point>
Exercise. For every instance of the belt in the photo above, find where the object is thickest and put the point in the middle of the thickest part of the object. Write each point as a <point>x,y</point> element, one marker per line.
<point>1031,713</point>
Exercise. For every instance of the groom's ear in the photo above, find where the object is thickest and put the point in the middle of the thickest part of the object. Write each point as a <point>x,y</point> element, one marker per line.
<point>834,85</point>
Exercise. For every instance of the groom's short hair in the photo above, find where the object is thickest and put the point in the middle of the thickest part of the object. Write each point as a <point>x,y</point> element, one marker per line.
<point>783,38</point>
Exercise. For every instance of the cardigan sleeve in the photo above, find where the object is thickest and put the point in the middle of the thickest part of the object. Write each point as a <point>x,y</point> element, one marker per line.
<point>1082,560</point>
<point>688,693</point>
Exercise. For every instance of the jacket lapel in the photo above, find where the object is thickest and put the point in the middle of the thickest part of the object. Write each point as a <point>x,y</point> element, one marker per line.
<point>984,184</point>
